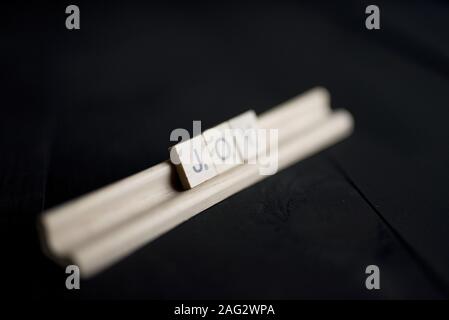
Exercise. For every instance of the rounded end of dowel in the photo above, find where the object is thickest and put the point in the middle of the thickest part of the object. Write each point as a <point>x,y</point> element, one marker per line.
<point>47,243</point>
<point>345,118</point>
<point>323,92</point>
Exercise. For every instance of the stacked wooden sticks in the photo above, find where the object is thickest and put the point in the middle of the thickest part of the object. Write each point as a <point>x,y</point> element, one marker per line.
<point>105,226</point>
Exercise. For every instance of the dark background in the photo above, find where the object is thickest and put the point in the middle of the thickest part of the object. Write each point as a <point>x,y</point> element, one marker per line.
<point>85,108</point>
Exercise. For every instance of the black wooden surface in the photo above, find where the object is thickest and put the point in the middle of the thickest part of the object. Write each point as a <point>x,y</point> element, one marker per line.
<point>96,105</point>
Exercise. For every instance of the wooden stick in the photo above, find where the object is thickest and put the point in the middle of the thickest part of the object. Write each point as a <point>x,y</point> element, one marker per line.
<point>93,256</point>
<point>98,229</point>
<point>83,220</point>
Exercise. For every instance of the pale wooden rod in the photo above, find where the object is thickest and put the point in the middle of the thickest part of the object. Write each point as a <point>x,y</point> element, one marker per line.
<point>76,221</point>
<point>99,229</point>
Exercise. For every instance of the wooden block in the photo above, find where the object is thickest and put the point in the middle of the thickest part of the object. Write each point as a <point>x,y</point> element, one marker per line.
<point>245,128</point>
<point>193,163</point>
<point>222,147</point>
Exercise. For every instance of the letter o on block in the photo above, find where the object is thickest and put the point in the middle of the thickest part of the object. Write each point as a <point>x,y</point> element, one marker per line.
<point>222,148</point>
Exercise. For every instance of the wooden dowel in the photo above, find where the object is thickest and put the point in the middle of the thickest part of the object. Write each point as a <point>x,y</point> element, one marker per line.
<point>295,108</point>
<point>85,219</point>
<point>93,256</point>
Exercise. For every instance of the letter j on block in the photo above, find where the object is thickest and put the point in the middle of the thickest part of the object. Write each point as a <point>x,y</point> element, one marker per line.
<point>193,162</point>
